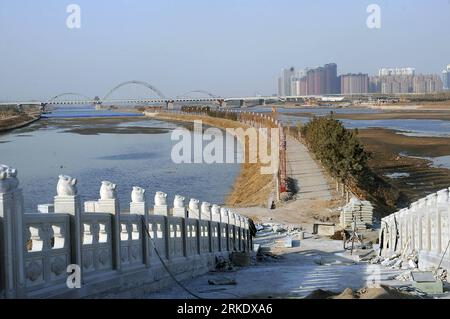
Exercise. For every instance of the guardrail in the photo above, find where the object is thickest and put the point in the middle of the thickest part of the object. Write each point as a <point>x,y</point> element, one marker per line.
<point>111,248</point>
<point>423,227</point>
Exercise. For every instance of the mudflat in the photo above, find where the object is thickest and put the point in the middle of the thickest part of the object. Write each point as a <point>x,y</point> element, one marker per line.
<point>418,177</point>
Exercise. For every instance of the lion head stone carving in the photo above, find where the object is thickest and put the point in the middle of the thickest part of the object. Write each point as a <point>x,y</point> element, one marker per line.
<point>193,204</point>
<point>138,195</point>
<point>178,201</point>
<point>160,199</point>
<point>108,190</point>
<point>67,186</point>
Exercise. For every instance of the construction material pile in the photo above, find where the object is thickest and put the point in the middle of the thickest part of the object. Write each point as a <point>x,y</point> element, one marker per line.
<point>360,211</point>
<point>398,261</point>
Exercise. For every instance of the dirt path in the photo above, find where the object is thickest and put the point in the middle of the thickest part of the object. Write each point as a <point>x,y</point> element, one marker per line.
<point>315,199</point>
<point>308,176</point>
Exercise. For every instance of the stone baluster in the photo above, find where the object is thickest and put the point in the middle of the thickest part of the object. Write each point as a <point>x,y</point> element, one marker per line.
<point>224,215</point>
<point>194,210</point>
<point>414,223</point>
<point>433,218</point>
<point>423,222</point>
<point>67,201</point>
<point>205,211</point>
<point>12,274</point>
<point>179,208</point>
<point>215,213</point>
<point>139,206</point>
<point>443,204</point>
<point>160,207</point>
<point>109,203</point>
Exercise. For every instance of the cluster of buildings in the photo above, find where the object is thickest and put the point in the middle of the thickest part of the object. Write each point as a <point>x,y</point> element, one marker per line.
<point>404,80</point>
<point>309,81</point>
<point>325,80</point>
<point>446,78</point>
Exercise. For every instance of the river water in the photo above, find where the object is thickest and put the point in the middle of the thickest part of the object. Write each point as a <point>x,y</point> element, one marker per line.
<point>135,151</point>
<point>409,127</point>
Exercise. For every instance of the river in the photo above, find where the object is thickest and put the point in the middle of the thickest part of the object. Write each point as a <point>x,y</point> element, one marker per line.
<point>132,151</point>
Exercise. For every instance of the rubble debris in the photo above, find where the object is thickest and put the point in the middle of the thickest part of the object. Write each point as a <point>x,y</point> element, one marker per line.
<point>441,274</point>
<point>397,261</point>
<point>321,294</point>
<point>222,281</point>
<point>240,259</point>
<point>223,264</point>
<point>267,256</point>
<point>288,242</point>
<point>382,292</point>
<point>324,229</point>
<point>362,211</point>
<point>339,234</point>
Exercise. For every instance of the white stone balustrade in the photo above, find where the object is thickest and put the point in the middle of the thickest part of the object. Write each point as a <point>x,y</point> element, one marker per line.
<point>424,227</point>
<point>107,244</point>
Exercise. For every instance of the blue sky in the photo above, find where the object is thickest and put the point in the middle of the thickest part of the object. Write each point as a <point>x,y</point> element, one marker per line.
<point>228,47</point>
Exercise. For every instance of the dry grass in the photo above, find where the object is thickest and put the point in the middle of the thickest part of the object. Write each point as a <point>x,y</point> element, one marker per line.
<point>251,188</point>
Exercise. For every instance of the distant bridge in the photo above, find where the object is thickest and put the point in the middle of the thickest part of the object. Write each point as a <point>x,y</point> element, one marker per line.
<point>161,98</point>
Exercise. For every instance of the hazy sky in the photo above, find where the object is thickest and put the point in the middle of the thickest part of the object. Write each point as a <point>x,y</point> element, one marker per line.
<point>229,47</point>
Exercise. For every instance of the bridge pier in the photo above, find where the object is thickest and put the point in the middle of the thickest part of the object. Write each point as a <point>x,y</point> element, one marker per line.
<point>170,105</point>
<point>242,103</point>
<point>261,102</point>
<point>222,103</point>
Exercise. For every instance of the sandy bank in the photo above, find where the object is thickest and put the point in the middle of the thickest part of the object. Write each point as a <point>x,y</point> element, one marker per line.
<point>17,121</point>
<point>251,188</point>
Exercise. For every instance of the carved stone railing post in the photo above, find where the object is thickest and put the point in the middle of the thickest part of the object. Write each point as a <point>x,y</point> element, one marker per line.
<point>423,224</point>
<point>109,203</point>
<point>67,201</point>
<point>139,206</point>
<point>179,208</point>
<point>194,213</point>
<point>431,227</point>
<point>443,204</point>
<point>206,214</point>
<point>12,275</point>
<point>160,208</point>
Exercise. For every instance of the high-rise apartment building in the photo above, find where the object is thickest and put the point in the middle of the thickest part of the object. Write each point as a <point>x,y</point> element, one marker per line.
<point>309,81</point>
<point>396,71</point>
<point>402,81</point>
<point>446,78</point>
<point>427,83</point>
<point>331,79</point>
<point>354,83</point>
<point>285,82</point>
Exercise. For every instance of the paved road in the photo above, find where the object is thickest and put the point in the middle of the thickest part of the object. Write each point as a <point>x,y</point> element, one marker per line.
<point>315,264</point>
<point>309,177</point>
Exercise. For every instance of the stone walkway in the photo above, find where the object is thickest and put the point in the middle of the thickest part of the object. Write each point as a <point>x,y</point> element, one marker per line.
<point>314,264</point>
<point>308,176</point>
<point>314,200</point>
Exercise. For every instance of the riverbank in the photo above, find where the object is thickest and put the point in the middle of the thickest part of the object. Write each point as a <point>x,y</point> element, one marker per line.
<point>251,188</point>
<point>387,115</point>
<point>17,121</point>
<point>413,177</point>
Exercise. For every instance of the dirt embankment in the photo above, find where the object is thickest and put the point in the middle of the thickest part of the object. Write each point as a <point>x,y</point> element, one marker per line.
<point>418,177</point>
<point>251,188</point>
<point>17,121</point>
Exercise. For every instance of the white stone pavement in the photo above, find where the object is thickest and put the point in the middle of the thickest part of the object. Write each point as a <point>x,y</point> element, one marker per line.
<point>296,275</point>
<point>310,178</point>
